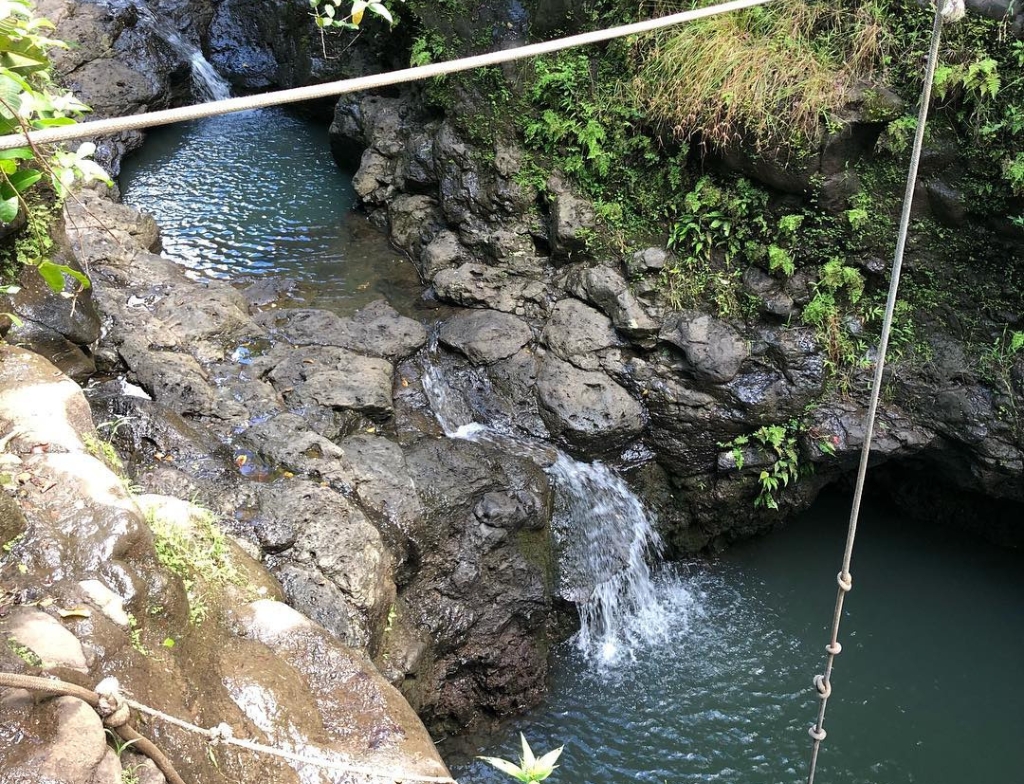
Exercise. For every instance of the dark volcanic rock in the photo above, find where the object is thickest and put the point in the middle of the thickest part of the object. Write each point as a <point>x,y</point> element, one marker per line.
<point>713,349</point>
<point>485,336</point>
<point>586,408</point>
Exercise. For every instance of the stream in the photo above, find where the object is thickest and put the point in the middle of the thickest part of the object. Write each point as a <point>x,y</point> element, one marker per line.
<point>715,686</point>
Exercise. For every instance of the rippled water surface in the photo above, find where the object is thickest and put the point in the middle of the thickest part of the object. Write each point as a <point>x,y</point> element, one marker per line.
<point>929,688</point>
<point>257,194</point>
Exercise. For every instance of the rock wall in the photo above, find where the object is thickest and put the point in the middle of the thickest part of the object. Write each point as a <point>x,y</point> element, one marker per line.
<point>90,592</point>
<point>614,371</point>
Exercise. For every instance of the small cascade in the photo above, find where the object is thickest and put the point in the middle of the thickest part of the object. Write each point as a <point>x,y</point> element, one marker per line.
<point>602,531</point>
<point>207,84</point>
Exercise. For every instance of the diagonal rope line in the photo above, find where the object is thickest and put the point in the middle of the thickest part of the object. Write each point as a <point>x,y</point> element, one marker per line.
<point>331,89</point>
<point>823,683</point>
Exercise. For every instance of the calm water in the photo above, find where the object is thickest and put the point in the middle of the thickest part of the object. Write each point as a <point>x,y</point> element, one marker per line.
<point>929,688</point>
<point>257,194</point>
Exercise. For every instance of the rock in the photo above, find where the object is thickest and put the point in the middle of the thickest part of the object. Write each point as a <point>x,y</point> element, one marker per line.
<point>477,285</point>
<point>43,635</point>
<point>576,332</point>
<point>770,292</point>
<point>713,349</point>
<point>607,289</point>
<point>485,336</point>
<point>586,408</point>
<point>444,252</point>
<point>61,740</point>
<point>372,727</point>
<point>948,205</point>
<point>332,379</point>
<point>414,221</point>
<point>570,220</point>
<point>649,260</point>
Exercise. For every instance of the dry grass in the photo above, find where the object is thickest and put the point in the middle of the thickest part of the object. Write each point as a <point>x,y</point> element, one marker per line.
<point>770,76</point>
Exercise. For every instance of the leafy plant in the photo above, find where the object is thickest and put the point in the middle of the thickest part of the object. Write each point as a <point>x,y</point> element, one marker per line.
<point>28,101</point>
<point>530,768</point>
<point>332,13</point>
<point>780,443</point>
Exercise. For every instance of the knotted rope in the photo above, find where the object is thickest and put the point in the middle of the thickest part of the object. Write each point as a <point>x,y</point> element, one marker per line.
<point>945,10</point>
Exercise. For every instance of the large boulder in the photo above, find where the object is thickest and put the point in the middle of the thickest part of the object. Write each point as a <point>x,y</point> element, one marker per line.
<point>485,336</point>
<point>587,408</point>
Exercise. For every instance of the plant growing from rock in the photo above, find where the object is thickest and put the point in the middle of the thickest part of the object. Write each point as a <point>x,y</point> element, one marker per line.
<point>28,101</point>
<point>530,768</point>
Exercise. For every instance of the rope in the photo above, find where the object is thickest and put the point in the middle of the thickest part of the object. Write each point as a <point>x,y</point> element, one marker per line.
<point>330,89</point>
<point>113,708</point>
<point>951,10</point>
<point>106,705</point>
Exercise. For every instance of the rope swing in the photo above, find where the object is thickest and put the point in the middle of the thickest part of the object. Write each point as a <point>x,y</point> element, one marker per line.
<point>950,11</point>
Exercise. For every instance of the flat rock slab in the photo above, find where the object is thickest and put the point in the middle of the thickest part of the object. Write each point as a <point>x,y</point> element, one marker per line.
<point>485,336</point>
<point>587,408</point>
<point>377,330</point>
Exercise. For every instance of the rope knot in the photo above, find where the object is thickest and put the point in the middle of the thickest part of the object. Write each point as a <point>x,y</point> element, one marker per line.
<point>112,707</point>
<point>823,687</point>
<point>845,580</point>
<point>818,733</point>
<point>834,648</point>
<point>221,732</point>
<point>953,10</point>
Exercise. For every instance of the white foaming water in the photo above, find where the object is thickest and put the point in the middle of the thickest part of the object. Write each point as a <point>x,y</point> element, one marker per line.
<point>207,84</point>
<point>604,537</point>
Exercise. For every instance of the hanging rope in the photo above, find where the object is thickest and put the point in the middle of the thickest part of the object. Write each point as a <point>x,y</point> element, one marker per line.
<point>331,89</point>
<point>950,10</point>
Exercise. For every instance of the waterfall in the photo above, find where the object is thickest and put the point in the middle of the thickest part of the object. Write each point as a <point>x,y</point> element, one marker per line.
<point>603,534</point>
<point>207,84</point>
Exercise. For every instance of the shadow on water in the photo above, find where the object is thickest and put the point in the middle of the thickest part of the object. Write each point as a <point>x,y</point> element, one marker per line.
<point>257,195</point>
<point>928,689</point>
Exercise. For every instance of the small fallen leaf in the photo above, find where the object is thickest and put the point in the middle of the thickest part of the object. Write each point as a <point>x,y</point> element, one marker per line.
<point>74,612</point>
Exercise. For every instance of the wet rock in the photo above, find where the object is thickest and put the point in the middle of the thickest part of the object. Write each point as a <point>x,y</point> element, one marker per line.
<point>61,740</point>
<point>373,727</point>
<point>607,289</point>
<point>570,220</point>
<point>713,349</point>
<point>586,408</point>
<point>43,635</point>
<point>575,332</point>
<point>771,293</point>
<point>443,252</point>
<point>485,336</point>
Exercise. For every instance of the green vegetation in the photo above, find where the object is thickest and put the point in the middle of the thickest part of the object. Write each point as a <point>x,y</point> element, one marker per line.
<point>23,652</point>
<point>193,547</point>
<point>104,451</point>
<point>773,76</point>
<point>779,443</point>
<point>332,13</point>
<point>29,101</point>
<point>530,768</point>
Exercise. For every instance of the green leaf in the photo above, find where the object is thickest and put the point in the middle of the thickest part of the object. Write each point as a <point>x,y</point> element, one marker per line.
<point>528,759</point>
<point>9,209</point>
<point>504,766</point>
<point>52,276</point>
<point>25,179</point>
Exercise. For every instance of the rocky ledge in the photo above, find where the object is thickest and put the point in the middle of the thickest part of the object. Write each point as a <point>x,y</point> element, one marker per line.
<point>102,581</point>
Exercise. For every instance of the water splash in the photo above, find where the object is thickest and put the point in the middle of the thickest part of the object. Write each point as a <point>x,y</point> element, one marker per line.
<point>207,84</point>
<point>604,536</point>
